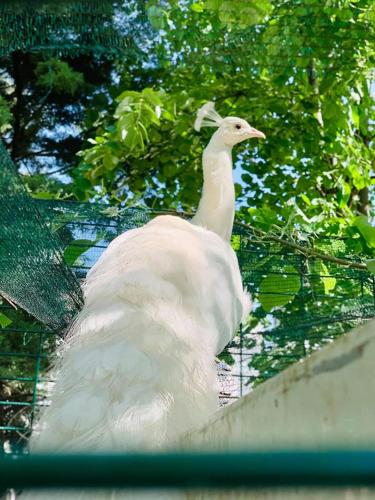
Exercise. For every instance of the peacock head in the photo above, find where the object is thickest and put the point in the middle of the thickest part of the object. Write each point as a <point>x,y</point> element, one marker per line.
<point>231,130</point>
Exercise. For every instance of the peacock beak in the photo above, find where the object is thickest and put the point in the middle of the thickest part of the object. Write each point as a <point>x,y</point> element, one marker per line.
<point>253,132</point>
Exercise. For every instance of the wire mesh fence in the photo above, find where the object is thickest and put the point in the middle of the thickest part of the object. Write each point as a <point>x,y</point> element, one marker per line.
<point>299,304</point>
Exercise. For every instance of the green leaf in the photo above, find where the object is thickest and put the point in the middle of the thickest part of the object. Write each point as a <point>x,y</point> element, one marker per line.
<point>236,242</point>
<point>197,7</point>
<point>132,139</point>
<point>278,289</point>
<point>213,4</point>
<point>152,96</point>
<point>227,358</point>
<point>306,199</point>
<point>6,116</point>
<point>109,160</point>
<point>58,76</point>
<point>4,320</point>
<point>328,281</point>
<point>157,17</point>
<point>355,116</point>
<point>264,217</point>
<point>365,228</point>
<point>371,265</point>
<point>344,194</point>
<point>76,249</point>
<point>43,195</point>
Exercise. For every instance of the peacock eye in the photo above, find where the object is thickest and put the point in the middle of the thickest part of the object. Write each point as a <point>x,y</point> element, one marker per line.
<point>238,126</point>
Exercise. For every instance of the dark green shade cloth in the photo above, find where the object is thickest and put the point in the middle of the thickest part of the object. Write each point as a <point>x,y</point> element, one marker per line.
<point>60,27</point>
<point>32,272</point>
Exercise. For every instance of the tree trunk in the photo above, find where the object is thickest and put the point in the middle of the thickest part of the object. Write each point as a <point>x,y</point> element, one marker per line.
<point>364,202</point>
<point>364,205</point>
<point>17,109</point>
<point>313,81</point>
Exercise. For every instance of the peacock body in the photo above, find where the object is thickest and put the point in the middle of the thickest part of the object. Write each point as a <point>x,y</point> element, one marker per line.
<point>138,368</point>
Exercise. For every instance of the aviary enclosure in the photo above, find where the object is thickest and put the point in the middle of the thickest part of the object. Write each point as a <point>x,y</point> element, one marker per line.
<point>117,155</point>
<point>323,293</point>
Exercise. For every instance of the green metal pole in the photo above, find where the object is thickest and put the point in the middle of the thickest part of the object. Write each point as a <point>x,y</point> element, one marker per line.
<point>190,470</point>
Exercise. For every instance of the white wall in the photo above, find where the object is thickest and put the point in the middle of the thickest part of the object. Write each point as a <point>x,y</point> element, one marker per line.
<point>324,401</point>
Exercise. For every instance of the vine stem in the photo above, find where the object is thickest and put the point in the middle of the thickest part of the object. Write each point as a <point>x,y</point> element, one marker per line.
<point>309,252</point>
<point>305,250</point>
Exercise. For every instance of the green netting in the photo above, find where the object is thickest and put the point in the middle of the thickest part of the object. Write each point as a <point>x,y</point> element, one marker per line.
<point>32,273</point>
<point>59,27</point>
<point>300,302</point>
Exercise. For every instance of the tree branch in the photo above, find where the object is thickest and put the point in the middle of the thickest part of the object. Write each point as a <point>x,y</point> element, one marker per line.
<point>17,108</point>
<point>309,252</point>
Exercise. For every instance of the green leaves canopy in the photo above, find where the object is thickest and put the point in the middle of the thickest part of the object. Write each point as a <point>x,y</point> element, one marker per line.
<point>301,74</point>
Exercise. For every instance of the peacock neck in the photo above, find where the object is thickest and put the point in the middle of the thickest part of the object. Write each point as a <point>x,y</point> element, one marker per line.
<point>216,207</point>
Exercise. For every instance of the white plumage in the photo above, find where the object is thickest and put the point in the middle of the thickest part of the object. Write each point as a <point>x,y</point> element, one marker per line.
<point>138,368</point>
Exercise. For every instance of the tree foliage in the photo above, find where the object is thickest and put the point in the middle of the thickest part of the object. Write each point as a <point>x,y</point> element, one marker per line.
<point>58,76</point>
<point>301,73</point>
<point>50,97</point>
<point>302,76</point>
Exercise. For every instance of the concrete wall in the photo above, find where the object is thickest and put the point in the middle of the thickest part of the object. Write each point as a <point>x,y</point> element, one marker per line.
<point>324,401</point>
